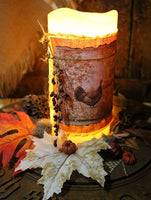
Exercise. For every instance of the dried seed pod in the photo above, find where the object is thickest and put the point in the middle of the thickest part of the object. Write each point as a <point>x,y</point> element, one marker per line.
<point>53,81</point>
<point>55,143</point>
<point>55,63</point>
<point>59,73</point>
<point>65,96</point>
<point>68,147</point>
<point>35,106</point>
<point>54,72</point>
<point>54,103</point>
<point>56,132</point>
<point>126,119</point>
<point>61,90</point>
<point>39,132</point>
<point>52,94</point>
<point>60,118</point>
<point>55,117</point>
<point>43,123</point>
<point>56,126</point>
<point>115,150</point>
<point>60,101</point>
<point>41,126</point>
<point>60,81</point>
<point>57,108</point>
<point>125,149</point>
<point>57,96</point>
<point>47,54</point>
<point>48,129</point>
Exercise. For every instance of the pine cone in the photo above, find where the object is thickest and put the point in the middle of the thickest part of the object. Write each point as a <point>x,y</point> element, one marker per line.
<point>36,106</point>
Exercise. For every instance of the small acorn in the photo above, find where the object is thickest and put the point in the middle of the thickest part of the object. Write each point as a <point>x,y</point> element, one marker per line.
<point>43,124</point>
<point>128,158</point>
<point>38,132</point>
<point>68,147</point>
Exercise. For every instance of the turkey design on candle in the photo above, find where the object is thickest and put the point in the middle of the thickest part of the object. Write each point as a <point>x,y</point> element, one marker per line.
<point>81,73</point>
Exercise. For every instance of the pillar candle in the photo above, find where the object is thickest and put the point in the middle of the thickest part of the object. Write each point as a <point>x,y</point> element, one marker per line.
<point>84,47</point>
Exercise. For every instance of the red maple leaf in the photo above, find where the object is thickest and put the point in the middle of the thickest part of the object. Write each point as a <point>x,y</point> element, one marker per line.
<point>13,131</point>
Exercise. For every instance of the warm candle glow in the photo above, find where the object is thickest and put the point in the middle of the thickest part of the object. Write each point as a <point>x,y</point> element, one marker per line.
<point>79,30</point>
<point>74,137</point>
<point>68,21</point>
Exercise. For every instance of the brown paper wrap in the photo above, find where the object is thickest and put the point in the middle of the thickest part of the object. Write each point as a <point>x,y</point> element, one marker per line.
<point>89,65</point>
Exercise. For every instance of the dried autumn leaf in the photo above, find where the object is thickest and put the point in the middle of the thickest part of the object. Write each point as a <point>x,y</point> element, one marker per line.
<point>57,166</point>
<point>143,134</point>
<point>12,132</point>
<point>131,142</point>
<point>114,125</point>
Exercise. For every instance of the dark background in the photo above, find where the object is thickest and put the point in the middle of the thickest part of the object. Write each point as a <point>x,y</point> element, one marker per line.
<point>133,68</point>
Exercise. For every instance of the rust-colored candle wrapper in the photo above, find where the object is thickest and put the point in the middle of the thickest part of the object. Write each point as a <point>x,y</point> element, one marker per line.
<point>88,63</point>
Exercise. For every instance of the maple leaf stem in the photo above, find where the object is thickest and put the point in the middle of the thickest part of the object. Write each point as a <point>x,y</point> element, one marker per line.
<point>56,154</point>
<point>61,165</point>
<point>82,160</point>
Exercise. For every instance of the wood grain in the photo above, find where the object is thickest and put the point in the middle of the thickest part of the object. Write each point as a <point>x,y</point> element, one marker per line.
<point>140,59</point>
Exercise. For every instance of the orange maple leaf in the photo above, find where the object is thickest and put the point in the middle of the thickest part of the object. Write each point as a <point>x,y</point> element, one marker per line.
<point>12,132</point>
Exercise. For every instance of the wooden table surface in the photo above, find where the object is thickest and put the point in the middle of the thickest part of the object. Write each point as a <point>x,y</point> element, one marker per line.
<point>123,183</point>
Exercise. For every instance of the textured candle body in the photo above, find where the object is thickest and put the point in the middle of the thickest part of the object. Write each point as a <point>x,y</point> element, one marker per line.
<point>88,63</point>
